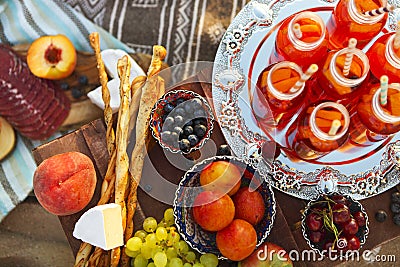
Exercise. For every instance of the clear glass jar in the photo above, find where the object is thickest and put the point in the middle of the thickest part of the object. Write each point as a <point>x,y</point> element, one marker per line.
<point>348,21</point>
<point>308,49</point>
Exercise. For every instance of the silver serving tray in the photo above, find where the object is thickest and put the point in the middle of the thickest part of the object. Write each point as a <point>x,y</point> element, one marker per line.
<point>242,54</point>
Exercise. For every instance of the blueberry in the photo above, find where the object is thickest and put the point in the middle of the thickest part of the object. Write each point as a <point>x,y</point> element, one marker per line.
<point>83,79</point>
<point>168,107</point>
<point>187,130</point>
<point>184,145</point>
<point>179,112</point>
<point>200,130</point>
<point>396,219</point>
<point>395,207</point>
<point>64,86</point>
<point>201,121</point>
<point>177,129</point>
<point>178,120</point>
<point>200,113</point>
<point>189,123</point>
<point>196,102</point>
<point>76,93</point>
<point>193,139</point>
<point>166,136</point>
<point>174,137</point>
<point>189,108</point>
<point>380,215</point>
<point>396,197</point>
<point>224,150</point>
<point>180,101</point>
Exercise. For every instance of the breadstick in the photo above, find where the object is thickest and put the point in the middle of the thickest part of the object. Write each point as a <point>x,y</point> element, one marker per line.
<point>122,162</point>
<point>95,43</point>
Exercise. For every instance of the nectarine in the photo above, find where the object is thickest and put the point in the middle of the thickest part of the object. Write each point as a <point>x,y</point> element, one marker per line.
<point>222,176</point>
<point>213,211</point>
<point>237,241</point>
<point>64,184</point>
<point>249,205</point>
<point>52,57</point>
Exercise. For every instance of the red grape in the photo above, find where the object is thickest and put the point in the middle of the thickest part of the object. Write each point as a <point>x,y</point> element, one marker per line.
<point>340,199</point>
<point>317,236</point>
<point>314,222</point>
<point>341,213</point>
<point>353,243</point>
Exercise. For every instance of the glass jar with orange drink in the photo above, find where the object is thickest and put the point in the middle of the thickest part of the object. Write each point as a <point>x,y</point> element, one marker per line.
<point>343,75</point>
<point>384,56</point>
<point>360,19</point>
<point>283,87</point>
<point>302,39</point>
<point>320,129</point>
<point>376,118</point>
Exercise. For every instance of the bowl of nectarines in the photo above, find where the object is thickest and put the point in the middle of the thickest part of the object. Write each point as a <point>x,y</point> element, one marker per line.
<point>224,206</point>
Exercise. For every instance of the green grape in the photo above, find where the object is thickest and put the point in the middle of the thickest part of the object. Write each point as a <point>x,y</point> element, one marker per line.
<point>187,264</point>
<point>181,247</point>
<point>151,264</point>
<point>171,253</point>
<point>162,224</point>
<point>175,262</point>
<point>155,250</point>
<point>149,224</point>
<point>173,237</point>
<point>209,260</point>
<point>161,233</point>
<point>190,256</point>
<point>169,216</point>
<point>198,265</point>
<point>141,233</point>
<point>134,243</point>
<point>146,250</point>
<point>140,261</point>
<point>151,240</point>
<point>160,259</point>
<point>131,253</point>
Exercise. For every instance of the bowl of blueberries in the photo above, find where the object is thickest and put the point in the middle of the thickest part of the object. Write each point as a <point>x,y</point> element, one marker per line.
<point>181,121</point>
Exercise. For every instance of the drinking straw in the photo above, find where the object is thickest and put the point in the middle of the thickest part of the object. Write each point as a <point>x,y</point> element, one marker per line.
<point>349,56</point>
<point>304,77</point>
<point>334,127</point>
<point>384,89</point>
<point>396,41</point>
<point>380,11</point>
<point>297,30</point>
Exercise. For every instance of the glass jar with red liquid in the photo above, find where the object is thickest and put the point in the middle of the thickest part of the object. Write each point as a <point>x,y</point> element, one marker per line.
<point>332,84</point>
<point>374,122</point>
<point>384,58</point>
<point>302,39</point>
<point>349,21</point>
<point>276,85</point>
<point>320,129</point>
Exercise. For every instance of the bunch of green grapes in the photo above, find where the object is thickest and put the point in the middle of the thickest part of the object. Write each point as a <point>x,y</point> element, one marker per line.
<point>160,245</point>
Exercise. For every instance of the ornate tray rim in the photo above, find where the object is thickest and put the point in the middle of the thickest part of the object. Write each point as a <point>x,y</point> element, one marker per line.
<point>228,81</point>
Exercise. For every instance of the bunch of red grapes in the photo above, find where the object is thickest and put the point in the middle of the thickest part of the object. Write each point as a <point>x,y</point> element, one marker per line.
<point>335,223</point>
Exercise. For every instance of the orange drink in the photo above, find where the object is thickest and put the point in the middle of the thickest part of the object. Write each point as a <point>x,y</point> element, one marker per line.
<point>374,122</point>
<point>301,39</point>
<point>348,20</point>
<point>384,58</point>
<point>332,84</point>
<point>277,84</point>
<point>320,129</point>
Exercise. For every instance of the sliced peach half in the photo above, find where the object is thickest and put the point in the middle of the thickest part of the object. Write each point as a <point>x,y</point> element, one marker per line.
<point>52,57</point>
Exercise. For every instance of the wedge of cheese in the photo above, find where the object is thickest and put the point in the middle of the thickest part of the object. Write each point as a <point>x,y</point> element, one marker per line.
<point>101,226</point>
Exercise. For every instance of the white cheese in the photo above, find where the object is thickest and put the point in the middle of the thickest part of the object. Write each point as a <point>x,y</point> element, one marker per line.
<point>101,226</point>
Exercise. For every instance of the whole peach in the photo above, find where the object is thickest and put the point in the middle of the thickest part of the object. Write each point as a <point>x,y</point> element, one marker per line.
<point>222,176</point>
<point>64,184</point>
<point>237,241</point>
<point>249,205</point>
<point>213,211</point>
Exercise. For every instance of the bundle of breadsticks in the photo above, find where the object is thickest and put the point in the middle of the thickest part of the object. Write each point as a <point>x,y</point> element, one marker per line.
<point>122,179</point>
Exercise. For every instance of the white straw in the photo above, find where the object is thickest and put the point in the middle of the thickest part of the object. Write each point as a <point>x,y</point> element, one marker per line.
<point>349,56</point>
<point>396,41</point>
<point>380,11</point>
<point>297,30</point>
<point>303,78</point>
<point>384,89</point>
<point>334,127</point>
